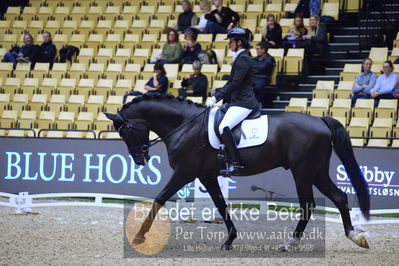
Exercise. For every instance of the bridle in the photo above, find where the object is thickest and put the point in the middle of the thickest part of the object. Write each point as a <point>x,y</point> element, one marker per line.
<point>145,147</point>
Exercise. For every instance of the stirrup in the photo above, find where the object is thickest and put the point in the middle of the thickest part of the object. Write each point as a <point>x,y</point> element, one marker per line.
<point>231,169</point>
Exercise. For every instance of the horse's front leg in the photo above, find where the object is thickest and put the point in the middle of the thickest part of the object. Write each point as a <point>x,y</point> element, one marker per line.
<point>177,181</point>
<point>213,188</point>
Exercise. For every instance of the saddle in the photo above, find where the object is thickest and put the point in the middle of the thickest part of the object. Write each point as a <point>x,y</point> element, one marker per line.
<point>237,130</point>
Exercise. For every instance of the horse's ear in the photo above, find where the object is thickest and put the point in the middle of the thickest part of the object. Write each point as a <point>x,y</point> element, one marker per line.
<point>113,117</point>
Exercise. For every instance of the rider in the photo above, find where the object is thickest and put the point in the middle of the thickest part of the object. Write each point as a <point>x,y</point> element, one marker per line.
<point>241,92</point>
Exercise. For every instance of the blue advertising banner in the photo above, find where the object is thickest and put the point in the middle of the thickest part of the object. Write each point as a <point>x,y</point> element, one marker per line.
<point>104,166</point>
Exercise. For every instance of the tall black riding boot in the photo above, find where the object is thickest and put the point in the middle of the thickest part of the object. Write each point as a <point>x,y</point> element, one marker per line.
<point>232,154</point>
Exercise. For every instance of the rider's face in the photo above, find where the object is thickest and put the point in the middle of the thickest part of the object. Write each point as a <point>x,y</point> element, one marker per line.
<point>233,45</point>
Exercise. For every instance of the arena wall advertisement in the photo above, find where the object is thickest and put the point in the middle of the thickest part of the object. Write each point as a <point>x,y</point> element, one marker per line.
<point>93,166</point>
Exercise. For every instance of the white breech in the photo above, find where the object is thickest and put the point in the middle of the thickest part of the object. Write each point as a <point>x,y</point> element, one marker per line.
<point>234,115</point>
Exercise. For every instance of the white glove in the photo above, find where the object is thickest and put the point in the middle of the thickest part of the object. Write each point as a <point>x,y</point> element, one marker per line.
<point>211,101</point>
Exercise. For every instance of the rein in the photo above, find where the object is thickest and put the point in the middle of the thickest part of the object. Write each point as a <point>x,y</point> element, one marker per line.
<point>144,147</point>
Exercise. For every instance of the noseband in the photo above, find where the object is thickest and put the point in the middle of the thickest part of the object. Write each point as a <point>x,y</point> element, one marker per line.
<point>144,148</point>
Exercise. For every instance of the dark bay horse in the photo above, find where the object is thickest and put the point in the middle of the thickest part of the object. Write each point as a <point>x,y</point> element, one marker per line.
<point>298,142</point>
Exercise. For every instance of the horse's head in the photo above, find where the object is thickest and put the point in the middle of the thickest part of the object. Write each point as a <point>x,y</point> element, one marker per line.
<point>136,136</point>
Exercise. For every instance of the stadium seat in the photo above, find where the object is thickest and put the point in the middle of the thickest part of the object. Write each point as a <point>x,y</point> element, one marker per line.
<point>341,108</point>
<point>8,118</point>
<point>378,143</point>
<point>104,87</point>
<point>16,133</point>
<point>69,27</point>
<point>132,71</point>
<point>44,12</point>
<point>75,134</point>
<point>220,42</point>
<point>65,120</point>
<point>205,40</point>
<point>377,68</point>
<point>60,40</point>
<point>141,56</point>
<point>122,55</point>
<point>319,107</point>
<point>297,105</point>
<point>4,101</point>
<point>128,12</point>
<point>386,108</point>
<point>139,25</point>
<point>113,71</point>
<point>59,70</point>
<point>330,9</point>
<point>104,55</point>
<point>11,85</point>
<point>95,71</point>
<point>46,120</point>
<point>40,70</point>
<point>56,103</point>
<point>123,86</point>
<point>78,40</point>
<point>54,134</point>
<point>364,108</point>
<point>85,55</point>
<point>85,87</point>
<point>102,122</point>
<point>382,127</point>
<point>112,41</point>
<point>84,121</point>
<point>394,54</point>
<point>344,90</point>
<point>131,40</point>
<point>114,104</point>
<point>378,54</point>
<point>66,86</point>
<point>324,89</point>
<point>30,86</point>
<point>27,119</point>
<point>94,104</point>
<point>95,40</point>
<point>77,70</point>
<point>358,127</point>
<point>22,70</point>
<point>20,102</point>
<point>350,72</point>
<point>293,61</point>
<point>48,86</point>
<point>104,26</point>
<point>75,103</point>
<point>111,12</point>
<point>38,102</point>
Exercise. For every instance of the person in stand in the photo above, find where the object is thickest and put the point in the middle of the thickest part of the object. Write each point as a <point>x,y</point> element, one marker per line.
<point>271,32</point>
<point>295,34</point>
<point>221,20</point>
<point>263,68</point>
<point>157,84</point>
<point>172,50</point>
<point>242,96</point>
<point>187,18</point>
<point>195,84</point>
<point>364,82</point>
<point>387,84</point>
<point>316,36</point>
<point>24,54</point>
<point>47,50</point>
<point>191,49</point>
<point>205,7</point>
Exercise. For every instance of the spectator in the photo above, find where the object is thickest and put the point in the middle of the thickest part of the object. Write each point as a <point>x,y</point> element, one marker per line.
<point>263,65</point>
<point>387,85</point>
<point>47,49</point>
<point>317,37</point>
<point>221,20</point>
<point>172,50</point>
<point>187,18</point>
<point>195,84</point>
<point>271,32</point>
<point>205,7</point>
<point>191,49</point>
<point>157,84</point>
<point>364,82</point>
<point>26,53</point>
<point>298,31</point>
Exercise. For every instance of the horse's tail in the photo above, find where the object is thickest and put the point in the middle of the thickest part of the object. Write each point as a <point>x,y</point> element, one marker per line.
<point>343,148</point>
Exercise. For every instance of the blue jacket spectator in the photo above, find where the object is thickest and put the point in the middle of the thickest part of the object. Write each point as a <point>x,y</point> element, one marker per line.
<point>387,84</point>
<point>25,54</point>
<point>263,65</point>
<point>364,82</point>
<point>191,49</point>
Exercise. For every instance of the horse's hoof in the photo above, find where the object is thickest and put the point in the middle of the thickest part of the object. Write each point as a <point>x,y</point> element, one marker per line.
<point>359,239</point>
<point>138,240</point>
<point>225,247</point>
<point>287,246</point>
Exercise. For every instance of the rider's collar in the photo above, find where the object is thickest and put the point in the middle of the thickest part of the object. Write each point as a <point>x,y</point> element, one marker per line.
<point>235,54</point>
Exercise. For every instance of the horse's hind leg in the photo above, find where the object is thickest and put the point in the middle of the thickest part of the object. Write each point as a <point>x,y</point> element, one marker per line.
<point>340,199</point>
<point>213,188</point>
<point>306,202</point>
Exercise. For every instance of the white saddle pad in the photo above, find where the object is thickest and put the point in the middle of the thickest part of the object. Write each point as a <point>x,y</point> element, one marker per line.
<point>255,131</point>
